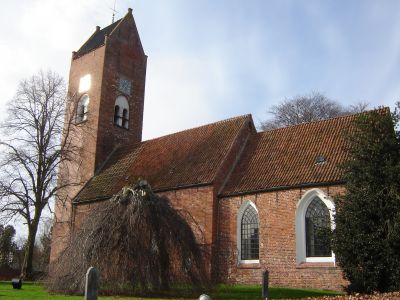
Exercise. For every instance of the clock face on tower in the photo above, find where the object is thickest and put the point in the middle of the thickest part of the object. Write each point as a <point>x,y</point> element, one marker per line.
<point>124,86</point>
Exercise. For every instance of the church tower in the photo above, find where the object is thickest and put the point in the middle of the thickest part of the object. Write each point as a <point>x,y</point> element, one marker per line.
<point>105,108</point>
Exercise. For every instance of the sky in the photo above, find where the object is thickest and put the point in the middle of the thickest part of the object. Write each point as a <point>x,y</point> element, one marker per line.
<point>214,59</point>
<point>210,60</point>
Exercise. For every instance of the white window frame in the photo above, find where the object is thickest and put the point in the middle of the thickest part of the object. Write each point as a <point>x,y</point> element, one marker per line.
<point>241,211</point>
<point>301,209</point>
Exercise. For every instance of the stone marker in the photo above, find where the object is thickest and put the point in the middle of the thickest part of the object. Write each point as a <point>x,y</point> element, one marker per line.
<point>265,283</point>
<point>92,284</point>
<point>204,297</point>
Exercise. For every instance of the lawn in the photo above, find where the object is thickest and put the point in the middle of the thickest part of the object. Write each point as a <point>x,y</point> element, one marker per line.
<point>32,291</point>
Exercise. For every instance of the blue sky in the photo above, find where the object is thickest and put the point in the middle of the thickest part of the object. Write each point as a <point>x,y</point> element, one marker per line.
<point>210,60</point>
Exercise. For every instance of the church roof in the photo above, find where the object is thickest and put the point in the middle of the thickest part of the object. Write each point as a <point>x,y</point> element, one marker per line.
<point>183,159</point>
<point>304,154</point>
<point>97,39</point>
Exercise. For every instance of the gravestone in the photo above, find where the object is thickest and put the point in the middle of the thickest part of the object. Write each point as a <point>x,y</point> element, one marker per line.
<point>265,283</point>
<point>91,284</point>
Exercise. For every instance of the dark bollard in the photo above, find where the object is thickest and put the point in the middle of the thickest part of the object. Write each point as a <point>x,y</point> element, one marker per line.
<point>265,285</point>
<point>16,283</point>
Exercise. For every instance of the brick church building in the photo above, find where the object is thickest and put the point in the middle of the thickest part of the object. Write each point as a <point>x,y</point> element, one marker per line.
<point>259,198</point>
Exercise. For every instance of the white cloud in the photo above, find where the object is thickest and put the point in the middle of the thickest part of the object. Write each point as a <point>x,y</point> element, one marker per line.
<point>176,95</point>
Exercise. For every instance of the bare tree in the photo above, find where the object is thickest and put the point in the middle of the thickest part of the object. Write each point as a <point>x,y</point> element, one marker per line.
<point>34,143</point>
<point>307,108</point>
<point>358,107</point>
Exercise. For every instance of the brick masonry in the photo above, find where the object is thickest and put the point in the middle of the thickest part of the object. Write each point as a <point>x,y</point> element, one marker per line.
<point>277,236</point>
<point>277,243</point>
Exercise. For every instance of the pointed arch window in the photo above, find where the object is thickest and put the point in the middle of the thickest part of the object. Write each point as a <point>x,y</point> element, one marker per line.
<point>248,233</point>
<point>82,109</point>
<point>318,228</point>
<point>121,112</point>
<point>314,225</point>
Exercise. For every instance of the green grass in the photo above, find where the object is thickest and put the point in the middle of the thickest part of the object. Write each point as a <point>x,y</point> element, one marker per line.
<point>250,292</point>
<point>33,291</point>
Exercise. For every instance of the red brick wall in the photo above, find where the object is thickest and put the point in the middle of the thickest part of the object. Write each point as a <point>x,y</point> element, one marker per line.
<point>124,57</point>
<point>277,237</point>
<point>81,167</point>
<point>277,243</point>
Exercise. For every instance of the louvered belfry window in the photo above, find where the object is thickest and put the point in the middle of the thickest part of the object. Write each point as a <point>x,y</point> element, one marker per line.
<point>318,228</point>
<point>249,235</point>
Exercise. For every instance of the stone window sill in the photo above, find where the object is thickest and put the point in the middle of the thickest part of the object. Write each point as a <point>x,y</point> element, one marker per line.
<point>316,265</point>
<point>249,266</point>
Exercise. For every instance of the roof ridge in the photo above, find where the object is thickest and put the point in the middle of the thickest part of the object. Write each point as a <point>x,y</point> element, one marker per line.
<point>197,127</point>
<point>328,119</point>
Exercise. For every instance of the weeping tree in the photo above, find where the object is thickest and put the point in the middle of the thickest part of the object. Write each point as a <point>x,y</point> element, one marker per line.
<point>138,242</point>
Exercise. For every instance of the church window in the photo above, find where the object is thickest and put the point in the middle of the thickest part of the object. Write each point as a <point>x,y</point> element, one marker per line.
<point>82,109</point>
<point>121,112</point>
<point>318,229</point>
<point>248,233</point>
<point>314,224</point>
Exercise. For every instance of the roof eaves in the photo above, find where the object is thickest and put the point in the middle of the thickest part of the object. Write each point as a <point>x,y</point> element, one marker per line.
<point>278,188</point>
<point>160,190</point>
<point>180,187</point>
<point>91,200</point>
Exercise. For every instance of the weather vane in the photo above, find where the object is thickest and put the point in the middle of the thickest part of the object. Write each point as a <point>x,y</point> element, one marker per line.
<point>114,11</point>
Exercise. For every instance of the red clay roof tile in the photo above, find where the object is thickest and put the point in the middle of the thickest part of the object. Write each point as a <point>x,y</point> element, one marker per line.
<point>288,157</point>
<point>190,157</point>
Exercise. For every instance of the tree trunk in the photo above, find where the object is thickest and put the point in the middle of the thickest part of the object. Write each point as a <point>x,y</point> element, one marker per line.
<point>27,267</point>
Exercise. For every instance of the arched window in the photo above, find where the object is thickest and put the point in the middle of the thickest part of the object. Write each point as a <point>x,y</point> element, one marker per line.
<point>82,109</point>
<point>314,224</point>
<point>248,233</point>
<point>318,228</point>
<point>121,112</point>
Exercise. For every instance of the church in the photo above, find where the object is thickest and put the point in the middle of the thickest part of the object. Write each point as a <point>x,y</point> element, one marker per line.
<point>260,199</point>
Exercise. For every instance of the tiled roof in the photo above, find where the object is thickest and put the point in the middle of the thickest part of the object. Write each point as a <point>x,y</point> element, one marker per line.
<point>187,158</point>
<point>97,39</point>
<point>288,156</point>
